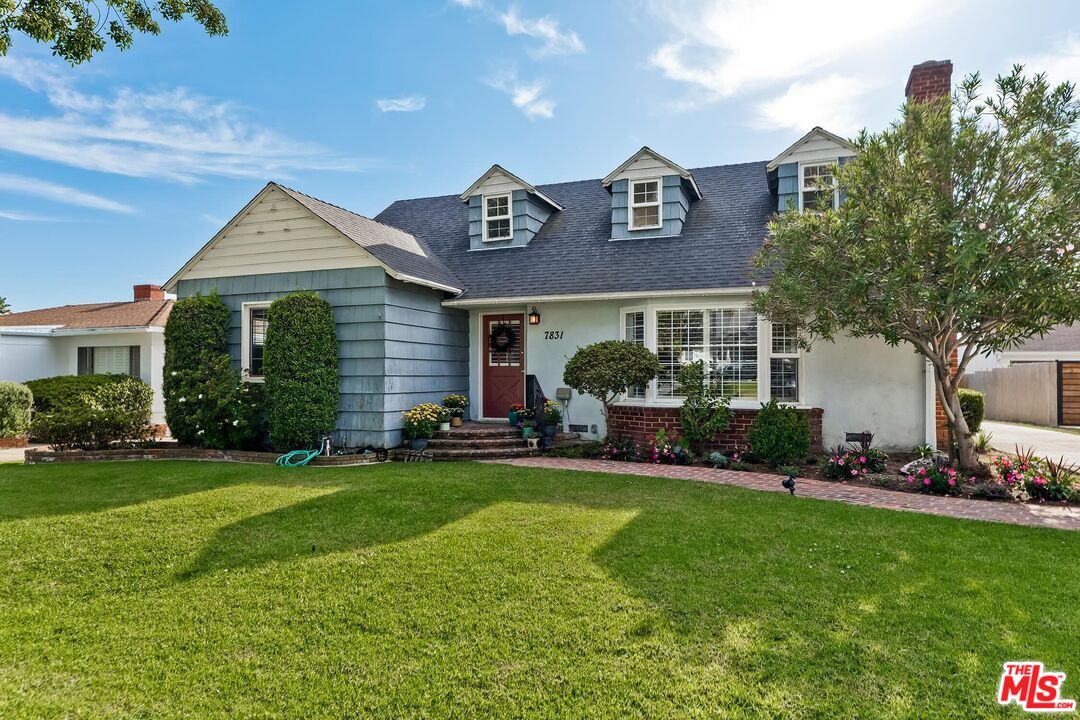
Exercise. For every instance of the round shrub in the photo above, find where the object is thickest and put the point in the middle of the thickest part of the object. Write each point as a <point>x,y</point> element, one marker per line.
<point>780,434</point>
<point>300,364</point>
<point>65,391</point>
<point>108,414</point>
<point>973,406</point>
<point>16,402</point>
<point>207,404</point>
<point>606,369</point>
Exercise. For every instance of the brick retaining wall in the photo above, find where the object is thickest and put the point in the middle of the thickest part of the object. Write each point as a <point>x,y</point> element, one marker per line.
<point>640,423</point>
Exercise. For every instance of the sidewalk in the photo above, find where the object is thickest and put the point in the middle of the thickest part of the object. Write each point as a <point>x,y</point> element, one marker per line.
<point>1047,516</point>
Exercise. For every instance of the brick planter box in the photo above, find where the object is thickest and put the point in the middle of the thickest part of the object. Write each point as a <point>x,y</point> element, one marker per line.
<point>34,457</point>
<point>640,423</point>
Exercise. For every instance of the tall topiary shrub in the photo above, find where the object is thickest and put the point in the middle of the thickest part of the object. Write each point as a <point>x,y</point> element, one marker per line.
<point>15,403</point>
<point>207,404</point>
<point>300,364</point>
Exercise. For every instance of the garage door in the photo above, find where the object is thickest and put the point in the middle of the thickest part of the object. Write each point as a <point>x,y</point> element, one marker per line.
<point>1069,389</point>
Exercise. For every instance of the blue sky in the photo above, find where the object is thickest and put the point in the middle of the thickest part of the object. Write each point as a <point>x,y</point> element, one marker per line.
<point>115,172</point>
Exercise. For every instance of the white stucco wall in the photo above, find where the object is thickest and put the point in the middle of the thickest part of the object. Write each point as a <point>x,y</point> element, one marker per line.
<point>860,384</point>
<point>29,358</point>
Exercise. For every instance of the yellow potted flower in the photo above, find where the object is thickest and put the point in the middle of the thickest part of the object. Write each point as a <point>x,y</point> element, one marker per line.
<point>420,423</point>
<point>456,404</point>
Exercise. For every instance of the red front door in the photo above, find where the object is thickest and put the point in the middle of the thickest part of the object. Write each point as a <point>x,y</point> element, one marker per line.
<point>504,366</point>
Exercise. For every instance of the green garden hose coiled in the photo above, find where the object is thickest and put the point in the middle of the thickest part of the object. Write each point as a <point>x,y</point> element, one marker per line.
<point>297,458</point>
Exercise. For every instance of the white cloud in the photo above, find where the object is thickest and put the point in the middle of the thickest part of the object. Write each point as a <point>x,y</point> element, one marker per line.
<point>411,103</point>
<point>527,97</point>
<point>725,47</point>
<point>22,185</point>
<point>24,217</point>
<point>555,40</point>
<point>830,102</point>
<point>1062,64</point>
<point>172,134</point>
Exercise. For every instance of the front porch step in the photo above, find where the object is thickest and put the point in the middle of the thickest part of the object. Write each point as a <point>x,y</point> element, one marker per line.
<point>476,433</point>
<point>484,442</point>
<point>481,453</point>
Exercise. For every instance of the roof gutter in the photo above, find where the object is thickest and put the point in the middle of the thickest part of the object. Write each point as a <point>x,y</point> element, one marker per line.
<point>420,281</point>
<point>583,297</point>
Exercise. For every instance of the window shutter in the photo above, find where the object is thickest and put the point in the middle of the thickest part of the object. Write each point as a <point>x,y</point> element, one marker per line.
<point>85,361</point>
<point>133,361</point>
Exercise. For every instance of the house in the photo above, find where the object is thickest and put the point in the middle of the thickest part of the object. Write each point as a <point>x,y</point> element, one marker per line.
<point>118,337</point>
<point>491,290</point>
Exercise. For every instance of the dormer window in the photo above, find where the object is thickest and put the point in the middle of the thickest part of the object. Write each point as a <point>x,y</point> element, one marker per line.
<point>645,204</point>
<point>497,217</point>
<point>817,185</point>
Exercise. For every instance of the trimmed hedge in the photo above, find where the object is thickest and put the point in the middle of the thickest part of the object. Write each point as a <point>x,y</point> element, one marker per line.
<point>66,391</point>
<point>973,405</point>
<point>105,414</point>
<point>207,403</point>
<point>300,365</point>
<point>779,435</point>
<point>16,402</point>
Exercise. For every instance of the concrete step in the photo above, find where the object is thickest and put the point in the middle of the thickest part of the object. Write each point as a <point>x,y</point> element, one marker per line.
<point>451,443</point>
<point>475,433</point>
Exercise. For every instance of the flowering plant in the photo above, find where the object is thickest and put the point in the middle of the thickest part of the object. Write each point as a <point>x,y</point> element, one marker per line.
<point>666,451</point>
<point>620,449</point>
<point>456,404</point>
<point>421,421</point>
<point>844,464</point>
<point>552,413</point>
<point>936,479</point>
<point>1030,477</point>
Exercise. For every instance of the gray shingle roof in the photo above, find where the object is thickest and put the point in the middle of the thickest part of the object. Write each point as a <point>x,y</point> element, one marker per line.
<point>394,247</point>
<point>573,252</point>
<point>1061,338</point>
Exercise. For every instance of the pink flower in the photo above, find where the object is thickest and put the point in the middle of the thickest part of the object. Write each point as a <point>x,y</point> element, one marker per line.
<point>926,481</point>
<point>910,479</point>
<point>862,459</point>
<point>1070,247</point>
<point>1060,251</point>
<point>982,226</point>
<point>922,471</point>
<point>952,481</point>
<point>854,472</point>
<point>864,471</point>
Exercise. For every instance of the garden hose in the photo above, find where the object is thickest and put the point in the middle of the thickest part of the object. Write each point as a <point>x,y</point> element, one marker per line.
<point>297,458</point>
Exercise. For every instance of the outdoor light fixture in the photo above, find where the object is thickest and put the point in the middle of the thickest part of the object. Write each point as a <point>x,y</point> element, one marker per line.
<point>534,316</point>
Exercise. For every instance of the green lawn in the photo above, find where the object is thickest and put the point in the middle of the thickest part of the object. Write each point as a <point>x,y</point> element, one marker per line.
<point>173,589</point>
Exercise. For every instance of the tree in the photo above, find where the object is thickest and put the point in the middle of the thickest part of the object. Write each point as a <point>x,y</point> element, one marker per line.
<point>5,309</point>
<point>959,230</point>
<point>703,413</point>
<point>605,369</point>
<point>77,29</point>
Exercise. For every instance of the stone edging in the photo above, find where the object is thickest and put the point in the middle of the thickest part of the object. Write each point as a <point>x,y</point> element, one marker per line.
<point>35,457</point>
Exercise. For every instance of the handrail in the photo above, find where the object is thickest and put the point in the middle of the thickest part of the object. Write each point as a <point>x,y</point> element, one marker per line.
<point>535,398</point>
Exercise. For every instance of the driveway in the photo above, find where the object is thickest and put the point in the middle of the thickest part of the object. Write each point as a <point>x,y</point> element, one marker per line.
<point>1047,442</point>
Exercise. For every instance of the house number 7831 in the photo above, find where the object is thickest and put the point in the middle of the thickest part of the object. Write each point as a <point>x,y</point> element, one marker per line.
<point>553,334</point>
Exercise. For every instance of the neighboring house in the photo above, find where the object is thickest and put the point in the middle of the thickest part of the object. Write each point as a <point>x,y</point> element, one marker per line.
<point>483,291</point>
<point>119,337</point>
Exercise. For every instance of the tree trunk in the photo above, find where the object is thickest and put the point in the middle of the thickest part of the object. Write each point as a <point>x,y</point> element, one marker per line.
<point>949,393</point>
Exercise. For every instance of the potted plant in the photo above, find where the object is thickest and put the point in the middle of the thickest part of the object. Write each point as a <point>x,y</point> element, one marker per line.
<point>444,419</point>
<point>552,418</point>
<point>420,423</point>
<point>515,413</point>
<point>456,404</point>
<point>525,421</point>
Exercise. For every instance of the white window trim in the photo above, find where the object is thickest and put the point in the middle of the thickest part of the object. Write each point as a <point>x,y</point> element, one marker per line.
<point>817,163</point>
<point>764,347</point>
<point>509,217</point>
<point>659,204</point>
<point>798,355</point>
<point>245,339</point>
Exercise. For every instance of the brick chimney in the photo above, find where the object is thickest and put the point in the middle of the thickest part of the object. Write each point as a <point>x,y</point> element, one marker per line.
<point>929,80</point>
<point>149,292</point>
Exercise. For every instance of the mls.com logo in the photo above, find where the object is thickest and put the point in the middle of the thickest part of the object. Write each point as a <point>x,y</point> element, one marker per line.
<point>1032,688</point>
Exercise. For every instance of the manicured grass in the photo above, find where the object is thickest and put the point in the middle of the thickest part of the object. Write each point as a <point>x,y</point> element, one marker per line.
<point>173,589</point>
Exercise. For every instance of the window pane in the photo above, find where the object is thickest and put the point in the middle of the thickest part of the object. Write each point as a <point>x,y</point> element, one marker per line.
<point>112,360</point>
<point>634,331</point>
<point>733,366</point>
<point>646,192</point>
<point>498,229</point>
<point>785,340</point>
<point>259,322</point>
<point>784,383</point>
<point>680,339</point>
<point>646,216</point>
<point>498,206</point>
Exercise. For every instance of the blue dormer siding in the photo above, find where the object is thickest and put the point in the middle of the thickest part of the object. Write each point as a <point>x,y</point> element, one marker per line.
<point>788,188</point>
<point>675,203</point>
<point>527,215</point>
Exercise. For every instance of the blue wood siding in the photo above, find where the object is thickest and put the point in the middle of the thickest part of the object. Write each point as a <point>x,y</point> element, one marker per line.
<point>398,346</point>
<point>675,204</point>
<point>787,194</point>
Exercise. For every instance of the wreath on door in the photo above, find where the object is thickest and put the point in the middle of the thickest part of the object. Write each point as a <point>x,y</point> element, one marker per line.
<point>502,337</point>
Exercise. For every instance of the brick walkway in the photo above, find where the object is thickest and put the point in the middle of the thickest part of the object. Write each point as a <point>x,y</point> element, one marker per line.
<point>1062,518</point>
